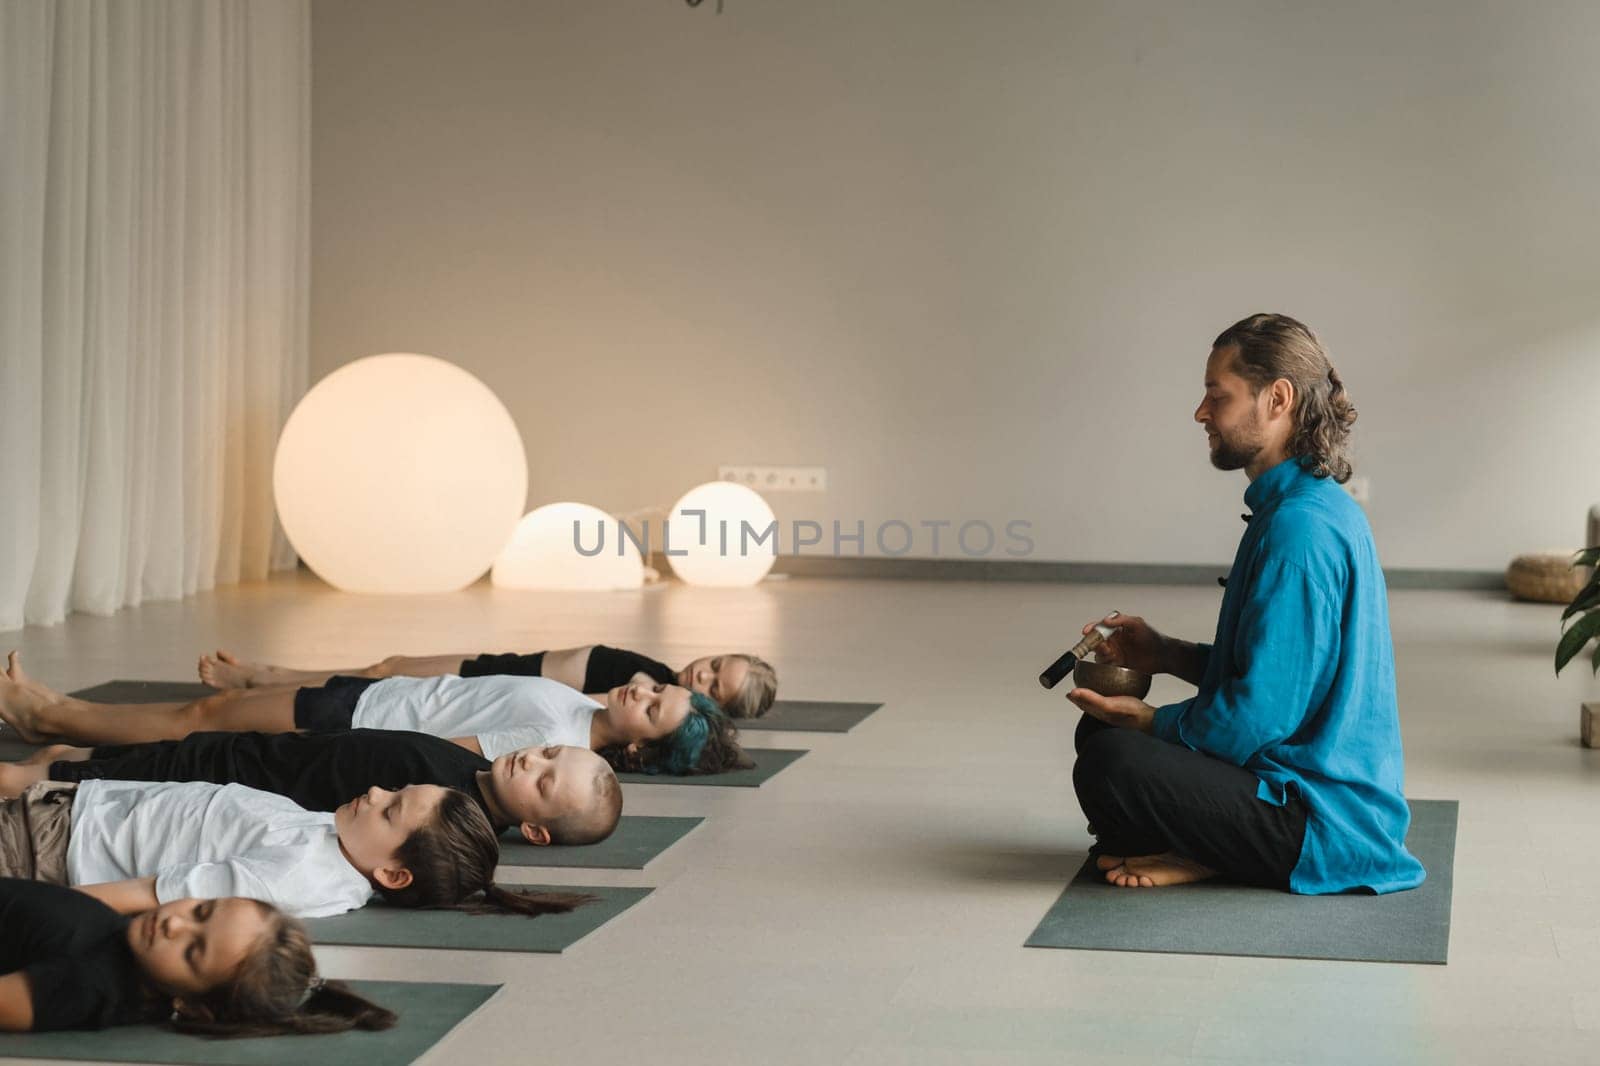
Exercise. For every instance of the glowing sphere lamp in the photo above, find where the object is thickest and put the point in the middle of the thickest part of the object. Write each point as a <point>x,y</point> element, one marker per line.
<point>569,546</point>
<point>725,546</point>
<point>399,474</point>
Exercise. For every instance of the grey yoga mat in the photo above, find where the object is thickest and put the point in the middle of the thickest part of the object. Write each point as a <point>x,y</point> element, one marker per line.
<point>1212,918</point>
<point>427,1012</point>
<point>810,716</point>
<point>376,925</point>
<point>768,761</point>
<point>145,692</point>
<point>637,840</point>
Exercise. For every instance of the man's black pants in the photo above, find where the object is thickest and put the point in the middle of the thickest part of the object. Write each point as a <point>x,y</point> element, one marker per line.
<point>1144,796</point>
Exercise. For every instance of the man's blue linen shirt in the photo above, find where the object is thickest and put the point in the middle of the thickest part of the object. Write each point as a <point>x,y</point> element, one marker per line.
<point>1299,684</point>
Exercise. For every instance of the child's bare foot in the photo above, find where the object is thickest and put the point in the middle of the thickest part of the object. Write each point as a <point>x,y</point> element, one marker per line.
<point>15,777</point>
<point>225,670</point>
<point>21,700</point>
<point>1154,871</point>
<point>58,753</point>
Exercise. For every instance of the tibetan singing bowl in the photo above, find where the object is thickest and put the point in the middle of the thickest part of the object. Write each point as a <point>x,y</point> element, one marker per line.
<point>1110,680</point>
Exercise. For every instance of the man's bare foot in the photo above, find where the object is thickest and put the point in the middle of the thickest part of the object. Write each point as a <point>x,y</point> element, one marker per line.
<point>21,700</point>
<point>1153,871</point>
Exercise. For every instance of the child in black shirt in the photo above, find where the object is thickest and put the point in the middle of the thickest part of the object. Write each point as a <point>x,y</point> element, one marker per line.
<point>227,967</point>
<point>553,795</point>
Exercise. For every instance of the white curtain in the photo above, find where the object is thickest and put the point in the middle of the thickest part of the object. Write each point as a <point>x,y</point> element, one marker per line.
<point>154,265</point>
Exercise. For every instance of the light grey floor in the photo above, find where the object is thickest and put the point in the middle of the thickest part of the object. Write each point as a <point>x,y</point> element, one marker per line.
<point>869,905</point>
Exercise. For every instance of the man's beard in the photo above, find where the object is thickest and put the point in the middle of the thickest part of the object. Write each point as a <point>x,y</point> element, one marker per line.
<point>1239,450</point>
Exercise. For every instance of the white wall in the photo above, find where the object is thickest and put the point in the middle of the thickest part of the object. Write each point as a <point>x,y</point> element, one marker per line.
<point>969,256</point>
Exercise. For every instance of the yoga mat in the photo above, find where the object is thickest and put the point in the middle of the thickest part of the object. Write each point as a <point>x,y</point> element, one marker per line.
<point>1212,918</point>
<point>376,925</point>
<point>810,716</point>
<point>427,1012</point>
<point>769,761</point>
<point>637,840</point>
<point>145,692</point>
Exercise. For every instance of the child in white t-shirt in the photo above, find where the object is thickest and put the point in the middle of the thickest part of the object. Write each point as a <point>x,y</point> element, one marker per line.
<point>137,845</point>
<point>641,725</point>
<point>500,713</point>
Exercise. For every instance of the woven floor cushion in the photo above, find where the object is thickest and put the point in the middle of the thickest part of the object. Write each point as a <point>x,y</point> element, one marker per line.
<point>1546,577</point>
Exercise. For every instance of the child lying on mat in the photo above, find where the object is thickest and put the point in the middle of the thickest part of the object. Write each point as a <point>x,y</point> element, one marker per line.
<point>552,795</point>
<point>743,685</point>
<point>220,967</point>
<point>135,845</point>
<point>649,726</point>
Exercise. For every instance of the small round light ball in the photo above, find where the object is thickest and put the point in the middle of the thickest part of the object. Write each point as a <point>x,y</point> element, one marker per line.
<point>739,544</point>
<point>568,546</point>
<point>399,473</point>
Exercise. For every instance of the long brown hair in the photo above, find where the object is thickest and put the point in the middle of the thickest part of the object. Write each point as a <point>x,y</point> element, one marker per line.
<point>1270,347</point>
<point>452,862</point>
<point>276,991</point>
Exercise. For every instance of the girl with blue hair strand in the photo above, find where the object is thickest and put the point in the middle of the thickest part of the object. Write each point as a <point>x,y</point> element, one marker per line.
<point>704,742</point>
<point>643,724</point>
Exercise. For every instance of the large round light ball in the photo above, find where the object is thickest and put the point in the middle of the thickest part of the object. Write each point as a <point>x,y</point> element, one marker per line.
<point>569,546</point>
<point>734,544</point>
<point>400,474</point>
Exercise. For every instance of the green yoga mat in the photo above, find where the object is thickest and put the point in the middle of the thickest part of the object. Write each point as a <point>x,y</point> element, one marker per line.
<point>427,1012</point>
<point>768,761</point>
<point>637,840</point>
<point>810,716</point>
<point>1212,918</point>
<point>376,925</point>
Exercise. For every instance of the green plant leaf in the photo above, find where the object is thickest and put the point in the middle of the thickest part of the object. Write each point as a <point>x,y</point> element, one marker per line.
<point>1596,660</point>
<point>1587,598</point>
<point>1587,557</point>
<point>1582,631</point>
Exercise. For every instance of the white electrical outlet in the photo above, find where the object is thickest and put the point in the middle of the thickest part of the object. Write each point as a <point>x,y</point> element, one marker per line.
<point>777,478</point>
<point>1360,489</point>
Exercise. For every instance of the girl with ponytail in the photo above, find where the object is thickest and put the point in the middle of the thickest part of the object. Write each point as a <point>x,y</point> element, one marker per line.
<point>452,863</point>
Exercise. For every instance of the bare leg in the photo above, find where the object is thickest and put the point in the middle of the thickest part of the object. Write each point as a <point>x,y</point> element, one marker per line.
<point>39,713</point>
<point>226,671</point>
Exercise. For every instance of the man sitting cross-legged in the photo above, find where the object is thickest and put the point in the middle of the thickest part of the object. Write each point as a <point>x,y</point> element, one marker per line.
<point>551,795</point>
<point>1285,768</point>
